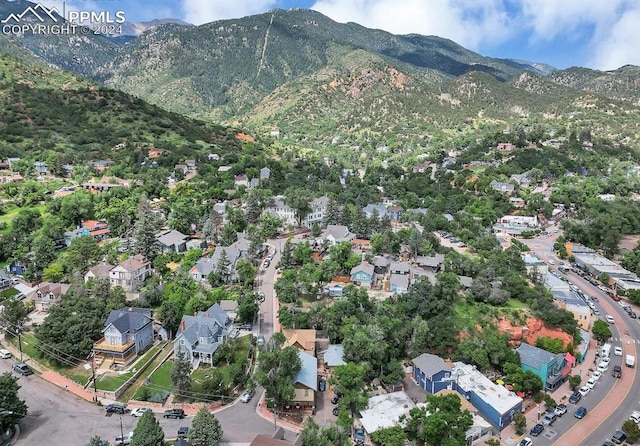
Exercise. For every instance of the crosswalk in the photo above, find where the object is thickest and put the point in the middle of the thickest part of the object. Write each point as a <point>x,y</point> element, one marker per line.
<point>626,340</point>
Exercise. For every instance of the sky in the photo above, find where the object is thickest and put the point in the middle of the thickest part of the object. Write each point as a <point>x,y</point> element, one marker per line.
<point>599,34</point>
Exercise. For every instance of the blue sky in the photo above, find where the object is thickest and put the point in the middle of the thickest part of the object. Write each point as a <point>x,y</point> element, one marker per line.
<point>599,34</point>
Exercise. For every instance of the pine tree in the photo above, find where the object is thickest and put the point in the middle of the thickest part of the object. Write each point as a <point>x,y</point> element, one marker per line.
<point>13,408</point>
<point>222,268</point>
<point>144,231</point>
<point>181,375</point>
<point>148,431</point>
<point>205,429</point>
<point>97,441</point>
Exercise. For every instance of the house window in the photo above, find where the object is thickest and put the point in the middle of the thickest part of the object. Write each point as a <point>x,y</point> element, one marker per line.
<point>306,392</point>
<point>181,341</point>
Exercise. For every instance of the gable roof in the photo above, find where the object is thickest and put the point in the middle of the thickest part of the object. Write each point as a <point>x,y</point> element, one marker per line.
<point>400,280</point>
<point>305,337</point>
<point>134,263</point>
<point>430,364</point>
<point>399,266</point>
<point>334,355</point>
<point>364,266</point>
<point>308,374</point>
<point>129,319</point>
<point>533,356</point>
<point>339,233</point>
<point>207,323</point>
<point>101,270</point>
<point>171,238</point>
<point>430,261</point>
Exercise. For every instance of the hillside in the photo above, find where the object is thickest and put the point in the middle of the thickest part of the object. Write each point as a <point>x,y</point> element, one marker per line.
<point>45,109</point>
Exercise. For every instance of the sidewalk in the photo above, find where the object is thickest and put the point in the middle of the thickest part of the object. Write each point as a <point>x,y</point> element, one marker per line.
<point>263,412</point>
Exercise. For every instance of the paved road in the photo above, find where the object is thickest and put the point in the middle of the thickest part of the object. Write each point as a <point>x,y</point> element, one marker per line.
<point>265,284</point>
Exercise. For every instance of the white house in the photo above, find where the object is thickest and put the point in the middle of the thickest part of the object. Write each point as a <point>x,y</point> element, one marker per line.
<point>281,210</point>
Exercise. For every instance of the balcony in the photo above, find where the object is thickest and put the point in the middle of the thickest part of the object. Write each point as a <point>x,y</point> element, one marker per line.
<point>103,346</point>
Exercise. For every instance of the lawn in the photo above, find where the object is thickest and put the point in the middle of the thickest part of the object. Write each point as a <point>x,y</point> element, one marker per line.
<point>112,381</point>
<point>159,381</point>
<point>8,292</point>
<point>12,212</point>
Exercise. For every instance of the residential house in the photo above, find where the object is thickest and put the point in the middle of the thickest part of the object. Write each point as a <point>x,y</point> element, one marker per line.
<point>242,244</point>
<point>333,356</point>
<point>102,165</point>
<point>5,280</point>
<point>394,212</point>
<point>399,283</point>
<point>182,168</point>
<point>361,245</point>
<point>99,230</point>
<point>195,243</point>
<point>381,265</point>
<point>506,188</point>
<point>16,268</point>
<point>206,265</point>
<point>241,180</point>
<point>431,373</point>
<point>385,411</point>
<point>277,439</point>
<point>191,164</point>
<point>265,173</point>
<point>67,170</point>
<point>550,367</point>
<point>416,274</point>
<point>333,290</point>
<point>375,209</point>
<point>421,167</point>
<point>46,294</point>
<point>230,307</point>
<point>335,234</point>
<point>199,336</point>
<point>363,275</point>
<point>431,263</point>
<point>213,157</point>
<point>302,339</point>
<point>522,221</point>
<point>517,202</point>
<point>126,333</point>
<point>521,179</point>
<point>399,268</point>
<point>505,147</point>
<point>100,271</point>
<point>305,383</point>
<point>41,168</point>
<point>172,241</point>
<point>224,169</point>
<point>130,274</point>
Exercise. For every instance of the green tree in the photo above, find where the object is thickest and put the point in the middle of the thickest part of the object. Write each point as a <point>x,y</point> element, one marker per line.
<point>300,202</point>
<point>314,435</point>
<point>632,430</point>
<point>223,266</point>
<point>205,429</point>
<point>13,408</point>
<point>350,381</point>
<point>144,231</point>
<point>519,422</point>
<point>181,375</point>
<point>82,254</point>
<point>277,369</point>
<point>601,330</point>
<point>53,273</point>
<point>76,207</point>
<point>148,431</point>
<point>391,436</point>
<point>14,313</point>
<point>97,441</point>
<point>247,272</point>
<point>574,381</point>
<point>446,423</point>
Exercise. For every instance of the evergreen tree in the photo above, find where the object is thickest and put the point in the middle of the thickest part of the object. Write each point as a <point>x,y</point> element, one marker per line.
<point>181,375</point>
<point>222,268</point>
<point>148,431</point>
<point>205,429</point>
<point>300,202</point>
<point>13,408</point>
<point>144,231</point>
<point>97,441</point>
<point>332,215</point>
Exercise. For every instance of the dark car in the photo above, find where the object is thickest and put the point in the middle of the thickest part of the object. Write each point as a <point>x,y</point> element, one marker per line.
<point>536,430</point>
<point>359,436</point>
<point>22,369</point>
<point>617,371</point>
<point>336,411</point>
<point>117,408</point>
<point>619,437</point>
<point>581,412</point>
<point>335,399</point>
<point>633,315</point>
<point>174,413</point>
<point>322,386</point>
<point>183,431</point>
<point>575,397</point>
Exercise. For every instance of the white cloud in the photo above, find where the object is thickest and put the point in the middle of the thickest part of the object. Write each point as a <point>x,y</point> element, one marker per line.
<point>470,23</point>
<point>619,46</point>
<point>204,11</point>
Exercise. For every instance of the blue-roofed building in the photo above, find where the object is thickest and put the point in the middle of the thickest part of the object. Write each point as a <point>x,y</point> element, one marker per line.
<point>199,336</point>
<point>550,367</point>
<point>334,356</point>
<point>305,382</point>
<point>127,332</point>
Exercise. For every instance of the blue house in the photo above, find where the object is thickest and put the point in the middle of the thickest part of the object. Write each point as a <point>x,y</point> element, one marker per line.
<point>199,336</point>
<point>127,332</point>
<point>334,290</point>
<point>363,274</point>
<point>431,372</point>
<point>551,368</point>
<point>399,283</point>
<point>16,268</point>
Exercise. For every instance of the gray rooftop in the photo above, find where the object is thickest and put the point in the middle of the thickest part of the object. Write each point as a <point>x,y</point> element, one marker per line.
<point>334,355</point>
<point>364,266</point>
<point>308,374</point>
<point>534,357</point>
<point>171,238</point>
<point>400,280</point>
<point>430,364</point>
<point>129,320</point>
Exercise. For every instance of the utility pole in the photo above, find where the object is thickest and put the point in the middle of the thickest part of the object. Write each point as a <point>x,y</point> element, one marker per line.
<point>121,431</point>
<point>19,343</point>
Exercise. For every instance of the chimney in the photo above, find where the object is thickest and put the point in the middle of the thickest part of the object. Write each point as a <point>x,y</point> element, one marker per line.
<point>206,315</point>
<point>182,325</point>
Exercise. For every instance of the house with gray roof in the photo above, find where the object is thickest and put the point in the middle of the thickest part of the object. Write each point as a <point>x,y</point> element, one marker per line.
<point>381,264</point>
<point>502,187</point>
<point>551,368</point>
<point>363,274</point>
<point>206,265</point>
<point>305,382</point>
<point>333,356</point>
<point>172,241</point>
<point>432,263</point>
<point>431,372</point>
<point>5,280</point>
<point>399,268</point>
<point>199,336</point>
<point>399,283</point>
<point>126,333</point>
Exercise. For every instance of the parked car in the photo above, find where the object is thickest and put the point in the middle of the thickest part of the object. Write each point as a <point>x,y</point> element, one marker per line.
<point>575,397</point>
<point>183,431</point>
<point>336,411</point>
<point>584,390</point>
<point>526,441</point>
<point>335,399</point>
<point>261,296</point>
<point>610,319</point>
<point>619,437</point>
<point>595,374</point>
<point>617,371</point>
<point>260,341</point>
<point>591,383</point>
<point>123,440</point>
<point>581,412</point>
<point>561,409</point>
<point>549,418</point>
<point>246,396</point>
<point>117,408</point>
<point>322,385</point>
<point>633,315</point>
<point>174,413</point>
<point>536,430</point>
<point>358,435</point>
<point>5,354</point>
<point>22,369</point>
<point>617,351</point>
<point>139,411</point>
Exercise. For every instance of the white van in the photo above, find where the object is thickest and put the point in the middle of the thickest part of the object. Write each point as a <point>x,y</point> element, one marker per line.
<point>610,319</point>
<point>606,349</point>
<point>630,361</point>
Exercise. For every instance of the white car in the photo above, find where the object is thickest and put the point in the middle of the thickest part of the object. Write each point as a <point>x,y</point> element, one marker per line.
<point>584,390</point>
<point>595,374</point>
<point>606,360</point>
<point>617,351</point>
<point>603,366</point>
<point>591,383</point>
<point>139,411</point>
<point>610,319</point>
<point>5,354</point>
